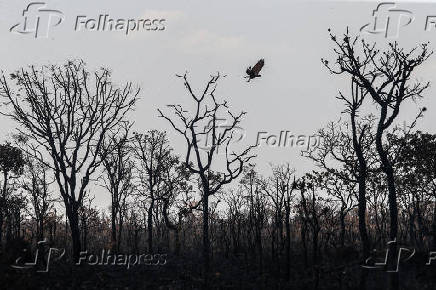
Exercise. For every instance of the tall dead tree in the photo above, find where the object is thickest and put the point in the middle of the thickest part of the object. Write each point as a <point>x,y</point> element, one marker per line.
<point>386,77</point>
<point>206,121</point>
<point>67,112</point>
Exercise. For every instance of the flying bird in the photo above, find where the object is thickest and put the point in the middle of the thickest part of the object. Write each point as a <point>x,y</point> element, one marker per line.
<point>254,72</point>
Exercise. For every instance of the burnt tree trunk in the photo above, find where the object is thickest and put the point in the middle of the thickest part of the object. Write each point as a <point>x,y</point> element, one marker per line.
<point>73,218</point>
<point>288,240</point>
<point>114,228</point>
<point>150,226</point>
<point>206,241</point>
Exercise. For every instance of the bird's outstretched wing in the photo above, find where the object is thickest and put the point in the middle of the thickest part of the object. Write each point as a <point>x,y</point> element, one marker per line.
<point>258,67</point>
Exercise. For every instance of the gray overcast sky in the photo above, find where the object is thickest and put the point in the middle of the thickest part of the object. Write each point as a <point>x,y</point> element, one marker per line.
<point>296,92</point>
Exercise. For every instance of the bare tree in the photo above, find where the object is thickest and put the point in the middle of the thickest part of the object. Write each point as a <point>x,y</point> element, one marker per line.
<point>385,76</point>
<point>68,112</point>
<point>204,121</point>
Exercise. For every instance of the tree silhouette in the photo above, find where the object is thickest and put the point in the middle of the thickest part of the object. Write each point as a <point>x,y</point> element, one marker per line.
<point>204,121</point>
<point>385,77</point>
<point>68,112</point>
